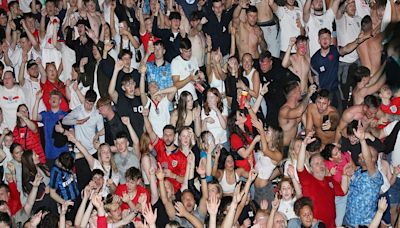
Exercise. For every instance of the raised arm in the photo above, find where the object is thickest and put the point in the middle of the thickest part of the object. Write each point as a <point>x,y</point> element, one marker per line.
<point>243,4</point>
<point>275,155</point>
<point>135,139</point>
<point>21,73</point>
<point>302,154</point>
<point>366,153</point>
<point>89,158</point>
<point>286,63</point>
<point>111,88</point>
<point>293,113</point>
<point>353,45</point>
<point>142,85</point>
<point>149,128</point>
<point>307,11</point>
<point>169,207</point>
<point>35,115</point>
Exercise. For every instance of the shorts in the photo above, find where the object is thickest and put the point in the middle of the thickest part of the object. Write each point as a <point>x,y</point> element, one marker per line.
<point>386,218</point>
<point>394,192</point>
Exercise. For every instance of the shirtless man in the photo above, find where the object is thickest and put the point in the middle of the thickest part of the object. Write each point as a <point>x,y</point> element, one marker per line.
<point>299,63</point>
<point>269,27</point>
<point>365,112</point>
<point>248,36</point>
<point>367,84</point>
<point>371,50</point>
<point>322,118</point>
<point>291,112</point>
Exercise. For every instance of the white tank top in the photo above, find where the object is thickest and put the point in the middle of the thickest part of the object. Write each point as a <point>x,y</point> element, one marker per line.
<point>264,166</point>
<point>249,77</point>
<point>228,188</point>
<point>386,184</point>
<point>217,83</point>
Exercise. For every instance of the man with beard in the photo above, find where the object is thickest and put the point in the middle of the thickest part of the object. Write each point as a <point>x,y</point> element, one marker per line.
<point>325,63</point>
<point>322,118</point>
<point>317,19</point>
<point>249,36</point>
<point>299,63</point>
<point>172,160</point>
<point>30,84</point>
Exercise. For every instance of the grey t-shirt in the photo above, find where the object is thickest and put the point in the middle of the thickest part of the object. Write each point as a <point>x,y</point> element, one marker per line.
<point>124,163</point>
<point>185,223</point>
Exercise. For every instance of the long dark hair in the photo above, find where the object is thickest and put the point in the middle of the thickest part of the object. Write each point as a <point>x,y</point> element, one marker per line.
<point>182,114</point>
<point>235,129</point>
<point>29,169</point>
<point>19,122</point>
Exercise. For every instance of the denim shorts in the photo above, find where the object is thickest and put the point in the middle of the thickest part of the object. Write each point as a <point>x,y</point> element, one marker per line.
<point>394,192</point>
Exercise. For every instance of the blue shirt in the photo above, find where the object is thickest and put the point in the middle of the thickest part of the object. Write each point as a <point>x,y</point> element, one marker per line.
<point>160,74</point>
<point>203,154</point>
<point>362,201</point>
<point>326,68</point>
<point>50,119</point>
<point>64,183</point>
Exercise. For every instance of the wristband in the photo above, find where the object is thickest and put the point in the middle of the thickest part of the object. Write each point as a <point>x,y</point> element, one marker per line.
<point>203,178</point>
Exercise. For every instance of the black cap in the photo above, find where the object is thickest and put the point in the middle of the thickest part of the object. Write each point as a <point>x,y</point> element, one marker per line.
<point>30,63</point>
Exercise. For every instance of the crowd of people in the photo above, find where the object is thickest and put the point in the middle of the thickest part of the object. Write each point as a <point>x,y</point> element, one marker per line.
<point>199,113</point>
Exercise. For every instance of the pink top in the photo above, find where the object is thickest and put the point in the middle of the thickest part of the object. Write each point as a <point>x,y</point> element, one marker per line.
<point>339,167</point>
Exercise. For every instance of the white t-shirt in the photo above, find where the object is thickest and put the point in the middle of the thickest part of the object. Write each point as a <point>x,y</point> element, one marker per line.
<point>30,89</point>
<point>160,118</point>
<point>348,28</point>
<point>126,44</point>
<point>287,22</point>
<point>396,151</point>
<point>10,99</point>
<point>16,58</point>
<point>362,8</point>
<point>316,23</point>
<point>75,102</point>
<point>114,176</point>
<point>215,128</point>
<point>184,68</point>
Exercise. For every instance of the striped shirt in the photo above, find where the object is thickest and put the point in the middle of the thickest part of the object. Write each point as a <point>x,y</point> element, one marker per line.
<point>64,182</point>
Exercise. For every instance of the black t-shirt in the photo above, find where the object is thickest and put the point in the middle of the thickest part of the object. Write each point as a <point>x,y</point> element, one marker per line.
<point>133,108</point>
<point>162,216</point>
<point>355,149</point>
<point>134,74</point>
<point>248,212</point>
<point>113,127</point>
<point>278,77</point>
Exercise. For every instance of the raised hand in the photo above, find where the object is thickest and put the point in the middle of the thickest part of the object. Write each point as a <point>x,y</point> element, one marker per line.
<point>125,120</point>
<point>264,204</point>
<point>213,204</point>
<point>275,203</point>
<point>149,215</point>
<point>264,89</point>
<point>237,195</point>
<point>359,132</point>
<point>119,65</point>
<point>39,95</point>
<point>38,179</point>
<point>309,138</point>
<point>201,169</point>
<point>180,209</point>
<point>160,173</point>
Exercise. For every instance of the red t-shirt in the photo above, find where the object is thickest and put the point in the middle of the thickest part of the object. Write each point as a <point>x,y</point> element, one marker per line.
<point>47,87</point>
<point>139,190</point>
<point>145,40</point>
<point>322,194</point>
<point>176,162</point>
<point>32,140</point>
<point>237,143</point>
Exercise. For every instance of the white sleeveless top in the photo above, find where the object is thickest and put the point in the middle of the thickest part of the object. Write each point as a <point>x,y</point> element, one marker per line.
<point>264,166</point>
<point>386,184</point>
<point>249,77</point>
<point>228,188</point>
